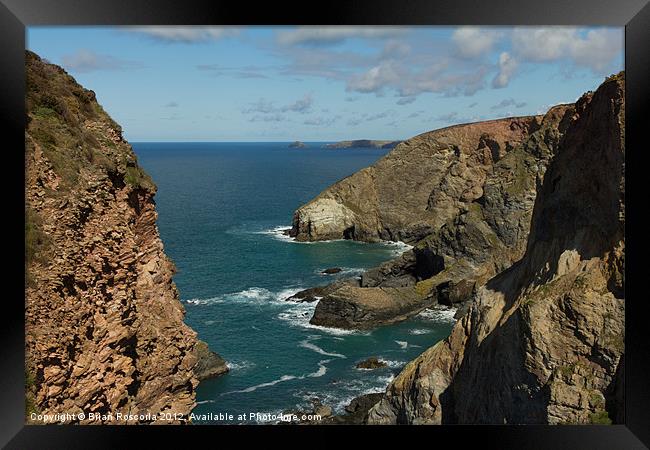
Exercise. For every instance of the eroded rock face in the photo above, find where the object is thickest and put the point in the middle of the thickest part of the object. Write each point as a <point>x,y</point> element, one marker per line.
<point>104,324</point>
<point>543,341</point>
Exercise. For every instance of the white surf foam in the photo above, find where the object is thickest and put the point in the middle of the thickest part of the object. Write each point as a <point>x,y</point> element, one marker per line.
<point>239,365</point>
<point>419,331</point>
<point>252,295</point>
<point>282,379</point>
<point>299,314</point>
<point>277,233</point>
<point>397,247</point>
<point>308,345</point>
<point>403,344</point>
<point>204,301</point>
<point>438,314</point>
<point>322,369</point>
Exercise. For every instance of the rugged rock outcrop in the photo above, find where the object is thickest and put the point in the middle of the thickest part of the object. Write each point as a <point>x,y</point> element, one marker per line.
<point>104,324</point>
<point>209,364</point>
<point>463,196</point>
<point>543,341</point>
<point>371,363</point>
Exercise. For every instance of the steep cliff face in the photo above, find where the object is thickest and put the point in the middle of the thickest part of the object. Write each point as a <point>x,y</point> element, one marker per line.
<point>462,195</point>
<point>543,341</point>
<point>104,324</point>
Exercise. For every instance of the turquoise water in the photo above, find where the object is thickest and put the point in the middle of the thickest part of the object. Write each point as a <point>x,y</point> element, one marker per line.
<point>220,208</point>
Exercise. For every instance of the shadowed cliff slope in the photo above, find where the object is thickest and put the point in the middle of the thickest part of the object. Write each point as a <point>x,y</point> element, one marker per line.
<point>543,341</point>
<point>104,324</point>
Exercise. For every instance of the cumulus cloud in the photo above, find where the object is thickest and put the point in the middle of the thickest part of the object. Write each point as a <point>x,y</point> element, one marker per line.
<point>301,106</point>
<point>595,49</point>
<point>375,79</point>
<point>508,102</point>
<point>507,67</point>
<point>188,34</point>
<point>328,35</point>
<point>438,77</point>
<point>471,42</point>
<point>85,60</point>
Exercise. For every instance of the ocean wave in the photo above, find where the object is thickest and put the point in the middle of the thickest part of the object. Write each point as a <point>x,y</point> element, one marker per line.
<point>349,271</point>
<point>308,345</point>
<point>282,379</point>
<point>419,331</point>
<point>204,301</point>
<point>340,396</point>
<point>251,295</point>
<point>438,314</point>
<point>322,369</point>
<point>277,233</point>
<point>398,247</point>
<point>403,344</point>
<point>239,365</point>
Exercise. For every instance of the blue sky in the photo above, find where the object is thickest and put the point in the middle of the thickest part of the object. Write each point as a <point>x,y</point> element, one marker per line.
<point>325,83</point>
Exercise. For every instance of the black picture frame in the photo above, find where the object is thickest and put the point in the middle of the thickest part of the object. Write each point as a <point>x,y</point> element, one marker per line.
<point>15,15</point>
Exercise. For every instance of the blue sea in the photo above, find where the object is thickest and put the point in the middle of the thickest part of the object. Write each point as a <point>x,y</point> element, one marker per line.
<point>221,208</point>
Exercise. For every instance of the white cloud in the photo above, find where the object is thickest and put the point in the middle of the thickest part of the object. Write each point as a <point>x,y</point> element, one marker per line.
<point>471,42</point>
<point>311,35</point>
<point>507,67</point>
<point>263,106</point>
<point>85,60</point>
<point>594,49</point>
<point>375,79</point>
<point>302,105</point>
<point>188,34</point>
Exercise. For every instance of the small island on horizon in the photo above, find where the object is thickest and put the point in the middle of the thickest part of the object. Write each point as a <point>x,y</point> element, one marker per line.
<point>298,144</point>
<point>363,143</point>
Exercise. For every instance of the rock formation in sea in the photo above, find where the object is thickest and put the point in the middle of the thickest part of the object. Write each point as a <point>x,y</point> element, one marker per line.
<point>462,196</point>
<point>104,324</point>
<point>363,143</point>
<point>543,341</point>
<point>297,144</point>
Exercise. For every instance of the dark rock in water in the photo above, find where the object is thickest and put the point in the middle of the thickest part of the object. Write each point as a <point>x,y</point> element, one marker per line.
<point>308,295</point>
<point>363,403</point>
<point>318,292</point>
<point>287,232</point>
<point>354,307</point>
<point>356,412</point>
<point>371,363</point>
<point>209,364</point>
<point>297,144</point>
<point>331,270</point>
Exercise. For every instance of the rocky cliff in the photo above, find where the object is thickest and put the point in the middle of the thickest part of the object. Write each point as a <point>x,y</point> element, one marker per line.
<point>463,196</point>
<point>543,341</point>
<point>104,324</point>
